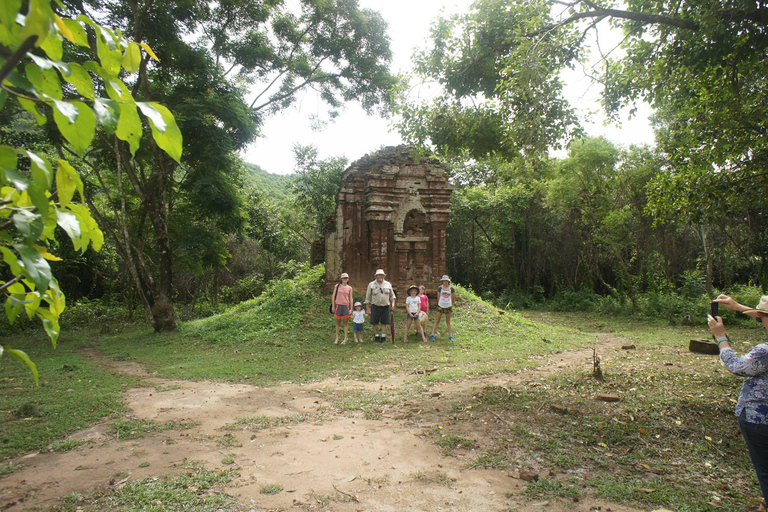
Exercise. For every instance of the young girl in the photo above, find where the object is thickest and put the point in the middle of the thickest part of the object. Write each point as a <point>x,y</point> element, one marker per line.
<point>358,322</point>
<point>424,311</point>
<point>341,304</point>
<point>412,310</point>
<point>445,294</point>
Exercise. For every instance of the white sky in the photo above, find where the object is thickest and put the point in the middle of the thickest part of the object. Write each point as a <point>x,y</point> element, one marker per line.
<point>353,133</point>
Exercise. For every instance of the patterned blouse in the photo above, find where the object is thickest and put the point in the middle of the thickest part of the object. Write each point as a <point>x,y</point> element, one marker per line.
<point>754,393</point>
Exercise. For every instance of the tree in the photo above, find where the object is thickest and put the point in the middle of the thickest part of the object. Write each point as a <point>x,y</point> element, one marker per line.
<point>212,56</point>
<point>317,183</point>
<point>502,91</point>
<point>35,198</point>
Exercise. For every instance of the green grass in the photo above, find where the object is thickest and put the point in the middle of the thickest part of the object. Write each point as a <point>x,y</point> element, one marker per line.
<point>136,429</point>
<point>197,490</point>
<point>287,335</point>
<point>672,441</point>
<point>271,489</point>
<point>73,394</point>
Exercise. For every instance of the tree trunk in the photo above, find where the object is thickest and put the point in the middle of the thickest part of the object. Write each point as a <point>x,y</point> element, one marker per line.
<point>707,245</point>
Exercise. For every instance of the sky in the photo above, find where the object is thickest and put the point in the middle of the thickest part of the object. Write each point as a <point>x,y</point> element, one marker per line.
<point>354,134</point>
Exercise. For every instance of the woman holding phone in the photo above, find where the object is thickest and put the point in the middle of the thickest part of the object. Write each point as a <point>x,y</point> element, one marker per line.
<point>752,406</point>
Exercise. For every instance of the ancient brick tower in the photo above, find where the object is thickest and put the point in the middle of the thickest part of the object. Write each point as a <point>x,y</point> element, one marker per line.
<point>391,213</point>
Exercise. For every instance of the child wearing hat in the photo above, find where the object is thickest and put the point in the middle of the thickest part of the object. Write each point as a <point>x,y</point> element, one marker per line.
<point>412,309</point>
<point>358,322</point>
<point>445,294</point>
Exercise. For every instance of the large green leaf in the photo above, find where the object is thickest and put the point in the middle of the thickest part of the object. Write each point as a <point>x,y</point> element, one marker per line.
<point>52,45</point>
<point>38,21</point>
<point>21,356</point>
<point>36,268</point>
<point>8,11</point>
<point>31,107</point>
<point>81,79</point>
<point>50,324</point>
<point>10,259</point>
<point>46,64</point>
<point>106,48</point>
<point>8,158</point>
<point>67,182</point>
<point>69,223</point>
<point>46,81</point>
<point>129,126</point>
<point>28,224</point>
<point>42,172</point>
<point>108,113</point>
<point>164,129</point>
<point>39,197</point>
<point>74,32</point>
<point>132,58</point>
<point>80,131</point>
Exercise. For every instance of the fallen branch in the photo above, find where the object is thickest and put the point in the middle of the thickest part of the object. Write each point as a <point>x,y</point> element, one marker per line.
<point>353,497</point>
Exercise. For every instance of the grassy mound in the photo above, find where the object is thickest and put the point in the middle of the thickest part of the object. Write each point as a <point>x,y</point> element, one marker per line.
<point>283,306</point>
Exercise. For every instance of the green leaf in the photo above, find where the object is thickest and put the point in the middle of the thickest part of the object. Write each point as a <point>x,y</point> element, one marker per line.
<point>18,80</point>
<point>31,107</point>
<point>81,79</point>
<point>107,113</point>
<point>164,129</point>
<point>42,172</point>
<point>69,223</point>
<point>3,98</point>
<point>52,45</point>
<point>32,304</point>
<point>129,126</point>
<point>132,58</point>
<point>12,311</point>
<point>36,268</point>
<point>8,158</point>
<point>89,229</point>
<point>79,129</point>
<point>67,181</point>
<point>106,48</point>
<point>76,33</point>
<point>46,81</point>
<point>39,197</point>
<point>29,225</point>
<point>50,324</point>
<point>8,11</point>
<point>21,356</point>
<point>38,21</point>
<point>17,179</point>
<point>11,260</point>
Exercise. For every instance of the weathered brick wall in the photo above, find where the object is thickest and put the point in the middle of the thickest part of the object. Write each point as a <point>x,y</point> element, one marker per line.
<point>391,213</point>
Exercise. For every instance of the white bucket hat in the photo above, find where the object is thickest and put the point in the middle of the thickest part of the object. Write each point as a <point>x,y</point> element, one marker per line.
<point>761,308</point>
<point>380,271</point>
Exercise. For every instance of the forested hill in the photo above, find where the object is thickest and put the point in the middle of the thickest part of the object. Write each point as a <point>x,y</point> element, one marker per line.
<point>275,186</point>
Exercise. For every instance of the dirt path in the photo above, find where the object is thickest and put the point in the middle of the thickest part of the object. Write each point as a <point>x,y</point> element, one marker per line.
<point>325,458</point>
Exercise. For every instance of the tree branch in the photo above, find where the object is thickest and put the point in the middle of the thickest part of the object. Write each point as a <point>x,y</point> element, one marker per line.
<point>15,58</point>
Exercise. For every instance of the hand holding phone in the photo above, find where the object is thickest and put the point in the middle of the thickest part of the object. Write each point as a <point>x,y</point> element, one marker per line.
<point>714,309</point>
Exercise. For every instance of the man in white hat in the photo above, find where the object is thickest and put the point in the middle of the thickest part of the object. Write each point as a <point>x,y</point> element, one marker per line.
<point>379,298</point>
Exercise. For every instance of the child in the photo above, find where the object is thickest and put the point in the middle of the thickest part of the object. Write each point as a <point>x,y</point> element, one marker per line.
<point>358,322</point>
<point>445,294</point>
<point>424,311</point>
<point>412,309</point>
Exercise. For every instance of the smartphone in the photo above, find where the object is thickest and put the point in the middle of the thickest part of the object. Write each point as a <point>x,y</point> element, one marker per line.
<point>713,309</point>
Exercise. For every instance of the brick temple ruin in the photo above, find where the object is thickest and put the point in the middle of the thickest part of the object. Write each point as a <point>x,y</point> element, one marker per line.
<point>391,213</point>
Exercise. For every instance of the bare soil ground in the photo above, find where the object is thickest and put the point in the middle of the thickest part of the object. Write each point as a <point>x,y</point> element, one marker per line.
<point>331,460</point>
